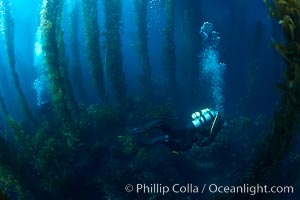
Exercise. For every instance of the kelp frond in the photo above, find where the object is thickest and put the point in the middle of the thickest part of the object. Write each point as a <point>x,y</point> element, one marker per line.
<point>287,12</point>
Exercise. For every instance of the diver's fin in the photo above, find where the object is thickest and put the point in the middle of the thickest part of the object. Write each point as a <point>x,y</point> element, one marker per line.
<point>153,124</point>
<point>153,136</point>
<point>156,140</point>
<point>146,128</point>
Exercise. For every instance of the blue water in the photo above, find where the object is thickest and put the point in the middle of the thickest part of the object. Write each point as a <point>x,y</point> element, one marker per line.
<point>235,72</point>
<point>241,31</point>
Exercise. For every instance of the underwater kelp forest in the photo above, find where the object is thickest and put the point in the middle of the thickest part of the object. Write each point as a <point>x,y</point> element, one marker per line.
<point>149,99</point>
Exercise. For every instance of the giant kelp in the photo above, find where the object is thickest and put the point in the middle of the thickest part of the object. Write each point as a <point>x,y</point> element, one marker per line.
<point>113,44</point>
<point>91,29</point>
<point>141,7</point>
<point>95,168</point>
<point>62,98</point>
<point>21,163</point>
<point>75,67</point>
<point>253,63</point>
<point>286,118</point>
<point>52,168</point>
<point>46,159</point>
<point>188,67</point>
<point>3,106</point>
<point>268,167</point>
<point>280,141</point>
<point>169,57</point>
<point>15,168</point>
<point>8,36</point>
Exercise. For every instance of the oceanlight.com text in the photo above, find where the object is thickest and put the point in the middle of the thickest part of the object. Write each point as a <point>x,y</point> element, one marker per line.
<point>189,188</point>
<point>250,189</point>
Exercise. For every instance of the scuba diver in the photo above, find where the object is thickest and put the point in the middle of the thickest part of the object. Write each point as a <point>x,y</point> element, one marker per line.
<point>202,131</point>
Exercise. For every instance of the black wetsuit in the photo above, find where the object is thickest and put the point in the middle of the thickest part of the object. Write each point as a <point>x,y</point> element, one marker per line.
<point>179,139</point>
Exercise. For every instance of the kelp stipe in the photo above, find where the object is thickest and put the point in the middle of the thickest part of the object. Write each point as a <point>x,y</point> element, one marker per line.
<point>3,106</point>
<point>9,182</point>
<point>141,7</point>
<point>278,144</point>
<point>113,55</point>
<point>7,30</point>
<point>169,54</point>
<point>188,66</point>
<point>40,84</point>
<point>50,25</point>
<point>75,67</point>
<point>62,99</point>
<point>287,116</point>
<point>254,60</point>
<point>16,162</point>
<point>92,35</point>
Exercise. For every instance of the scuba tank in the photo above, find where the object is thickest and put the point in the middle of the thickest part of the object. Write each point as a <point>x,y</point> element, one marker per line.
<point>203,117</point>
